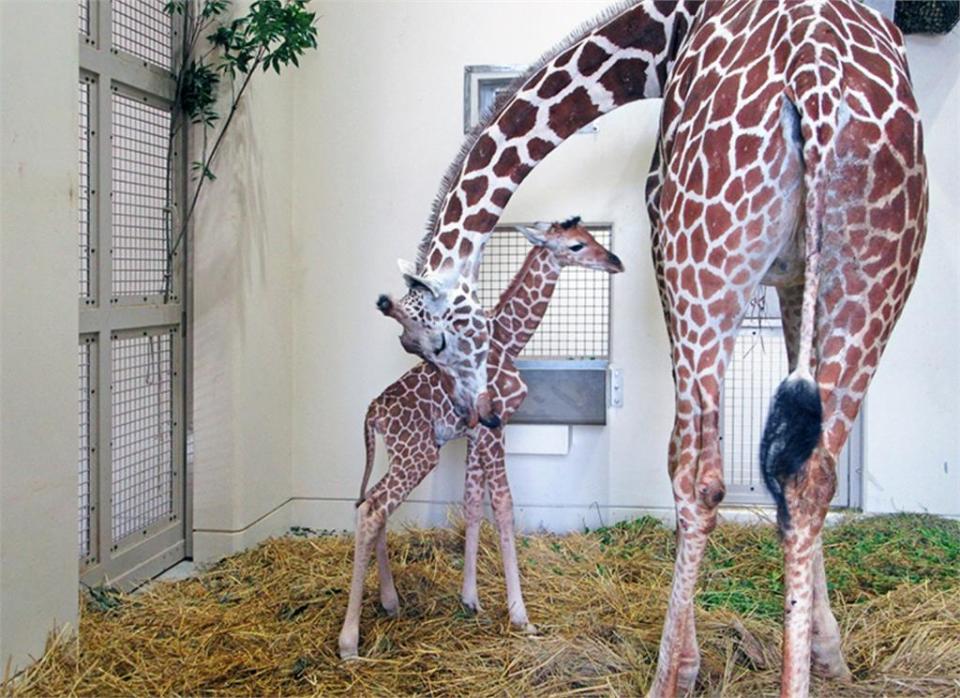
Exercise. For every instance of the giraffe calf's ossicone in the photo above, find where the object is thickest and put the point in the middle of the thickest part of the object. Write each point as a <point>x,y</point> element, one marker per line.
<point>417,414</point>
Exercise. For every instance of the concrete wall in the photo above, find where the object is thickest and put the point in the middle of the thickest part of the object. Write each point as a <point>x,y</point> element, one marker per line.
<point>38,326</point>
<point>377,118</point>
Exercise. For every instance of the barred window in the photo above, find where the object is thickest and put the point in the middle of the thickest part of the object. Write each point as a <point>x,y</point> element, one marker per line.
<point>577,322</point>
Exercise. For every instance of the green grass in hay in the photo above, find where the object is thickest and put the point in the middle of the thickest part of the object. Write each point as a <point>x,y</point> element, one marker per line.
<point>865,557</point>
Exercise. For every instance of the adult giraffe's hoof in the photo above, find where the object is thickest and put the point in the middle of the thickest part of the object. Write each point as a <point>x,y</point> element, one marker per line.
<point>836,670</point>
<point>687,675</point>
<point>826,659</point>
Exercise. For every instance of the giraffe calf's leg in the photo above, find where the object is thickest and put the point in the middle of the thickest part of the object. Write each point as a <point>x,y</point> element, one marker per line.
<point>388,590</point>
<point>502,503</point>
<point>370,520</point>
<point>473,515</point>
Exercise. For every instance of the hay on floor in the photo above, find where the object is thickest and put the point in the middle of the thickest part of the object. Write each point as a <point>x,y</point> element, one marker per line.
<point>265,622</point>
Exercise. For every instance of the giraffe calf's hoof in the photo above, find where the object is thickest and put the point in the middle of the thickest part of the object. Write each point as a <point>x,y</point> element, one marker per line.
<point>390,604</point>
<point>347,652</point>
<point>527,628</point>
<point>472,607</point>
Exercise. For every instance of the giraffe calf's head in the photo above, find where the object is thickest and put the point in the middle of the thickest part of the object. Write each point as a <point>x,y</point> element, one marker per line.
<point>572,245</point>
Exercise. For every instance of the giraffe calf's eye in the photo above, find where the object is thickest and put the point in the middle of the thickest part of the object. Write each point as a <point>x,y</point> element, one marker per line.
<point>576,248</point>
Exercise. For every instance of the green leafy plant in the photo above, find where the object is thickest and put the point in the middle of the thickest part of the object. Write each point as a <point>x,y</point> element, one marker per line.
<point>220,49</point>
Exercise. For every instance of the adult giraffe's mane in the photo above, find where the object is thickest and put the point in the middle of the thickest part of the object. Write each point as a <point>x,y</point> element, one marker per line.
<point>452,175</point>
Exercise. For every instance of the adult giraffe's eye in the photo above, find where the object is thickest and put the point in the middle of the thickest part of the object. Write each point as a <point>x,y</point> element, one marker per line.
<point>576,248</point>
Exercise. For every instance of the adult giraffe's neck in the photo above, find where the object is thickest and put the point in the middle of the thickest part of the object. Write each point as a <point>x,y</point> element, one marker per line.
<point>621,59</point>
<point>524,302</point>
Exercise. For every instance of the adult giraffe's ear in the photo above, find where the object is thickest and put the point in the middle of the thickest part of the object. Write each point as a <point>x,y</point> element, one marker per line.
<point>414,280</point>
<point>536,234</point>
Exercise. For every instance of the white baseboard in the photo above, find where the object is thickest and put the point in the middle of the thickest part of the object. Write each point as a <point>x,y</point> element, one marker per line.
<point>340,515</point>
<point>210,545</point>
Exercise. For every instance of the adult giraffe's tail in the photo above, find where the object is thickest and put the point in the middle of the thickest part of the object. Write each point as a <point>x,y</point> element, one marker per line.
<point>811,118</point>
<point>370,444</point>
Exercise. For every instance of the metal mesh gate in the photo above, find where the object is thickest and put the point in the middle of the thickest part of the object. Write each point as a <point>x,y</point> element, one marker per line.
<point>577,322</point>
<point>758,365</point>
<point>131,356</point>
<point>139,195</point>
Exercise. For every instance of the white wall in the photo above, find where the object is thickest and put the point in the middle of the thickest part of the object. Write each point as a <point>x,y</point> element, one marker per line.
<point>242,329</point>
<point>912,425</point>
<point>38,326</point>
<point>377,117</point>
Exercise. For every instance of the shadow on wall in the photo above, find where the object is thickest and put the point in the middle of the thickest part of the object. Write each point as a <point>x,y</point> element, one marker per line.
<point>230,231</point>
<point>230,245</point>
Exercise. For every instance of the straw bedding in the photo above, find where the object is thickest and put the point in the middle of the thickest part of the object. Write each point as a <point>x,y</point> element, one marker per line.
<point>265,622</point>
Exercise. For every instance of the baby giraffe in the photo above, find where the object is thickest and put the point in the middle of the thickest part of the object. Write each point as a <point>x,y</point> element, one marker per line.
<point>416,417</point>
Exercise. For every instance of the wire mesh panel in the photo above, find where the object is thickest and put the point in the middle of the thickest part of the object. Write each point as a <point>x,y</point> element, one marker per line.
<point>132,480</point>
<point>577,322</point>
<point>142,28</point>
<point>84,14</point>
<point>139,149</point>
<point>142,408</point>
<point>84,198</point>
<point>758,365</point>
<point>83,459</point>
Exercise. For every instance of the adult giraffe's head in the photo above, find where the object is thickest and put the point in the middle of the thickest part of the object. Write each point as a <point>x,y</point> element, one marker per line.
<point>622,56</point>
<point>444,323</point>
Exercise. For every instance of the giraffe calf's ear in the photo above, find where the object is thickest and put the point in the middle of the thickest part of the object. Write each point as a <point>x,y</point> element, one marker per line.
<point>535,234</point>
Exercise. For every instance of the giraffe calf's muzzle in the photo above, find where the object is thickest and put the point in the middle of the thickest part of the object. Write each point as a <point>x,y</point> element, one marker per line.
<point>384,304</point>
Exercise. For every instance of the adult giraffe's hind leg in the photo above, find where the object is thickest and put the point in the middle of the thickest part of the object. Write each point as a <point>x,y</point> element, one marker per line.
<point>698,489</point>
<point>825,647</point>
<point>704,306</point>
<point>826,652</point>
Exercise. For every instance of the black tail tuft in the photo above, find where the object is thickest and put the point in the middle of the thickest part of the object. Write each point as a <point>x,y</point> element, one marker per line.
<point>790,435</point>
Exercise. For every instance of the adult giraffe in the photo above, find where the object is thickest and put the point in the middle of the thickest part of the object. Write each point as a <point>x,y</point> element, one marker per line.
<point>790,154</point>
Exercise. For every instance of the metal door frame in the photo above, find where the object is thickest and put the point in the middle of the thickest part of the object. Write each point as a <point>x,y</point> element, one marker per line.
<point>106,318</point>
